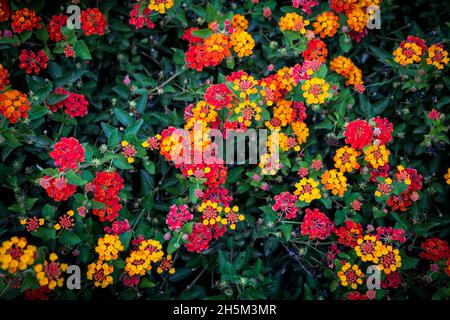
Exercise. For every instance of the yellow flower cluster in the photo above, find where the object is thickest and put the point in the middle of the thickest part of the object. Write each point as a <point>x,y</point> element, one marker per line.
<point>232,217</point>
<point>350,275</point>
<point>248,110</point>
<point>108,247</point>
<point>377,156</point>
<point>283,112</point>
<point>437,56</point>
<point>408,54</point>
<point>242,43</point>
<point>139,261</point>
<point>301,131</point>
<point>346,68</point>
<point>50,273</point>
<point>211,212</point>
<point>389,260</point>
<point>335,181</point>
<point>202,113</point>
<point>345,159</point>
<point>100,272</point>
<point>246,85</point>
<point>16,254</point>
<point>160,5</point>
<point>239,22</point>
<point>307,190</point>
<point>315,91</point>
<point>326,24</point>
<point>284,142</point>
<point>369,248</point>
<point>293,22</point>
<point>269,164</point>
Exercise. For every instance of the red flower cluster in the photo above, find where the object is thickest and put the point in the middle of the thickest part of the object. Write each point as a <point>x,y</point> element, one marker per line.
<point>204,53</point>
<point>219,195</point>
<point>178,216</point>
<point>383,130</point>
<point>138,20</point>
<point>189,37</point>
<point>54,27</point>
<point>118,227</point>
<point>4,78</point>
<point>316,50</point>
<point>285,205</point>
<point>68,153</point>
<point>305,4</point>
<point>25,20</point>
<point>359,133</point>
<point>40,293</point>
<point>388,234</point>
<point>199,238</point>
<point>316,225</point>
<point>435,249</point>
<point>5,11</point>
<point>216,175</point>
<point>93,21</point>
<point>219,96</point>
<point>349,234</point>
<point>391,280</point>
<point>32,62</point>
<point>403,201</point>
<point>106,187</point>
<point>57,188</point>
<point>75,104</point>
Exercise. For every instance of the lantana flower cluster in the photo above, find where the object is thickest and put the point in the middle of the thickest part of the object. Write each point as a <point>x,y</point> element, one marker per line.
<point>215,44</point>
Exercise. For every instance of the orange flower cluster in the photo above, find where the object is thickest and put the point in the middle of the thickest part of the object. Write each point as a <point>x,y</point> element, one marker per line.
<point>326,24</point>
<point>293,22</point>
<point>346,68</point>
<point>25,20</point>
<point>14,105</point>
<point>212,50</point>
<point>358,14</point>
<point>5,11</point>
<point>413,49</point>
<point>410,51</point>
<point>437,56</point>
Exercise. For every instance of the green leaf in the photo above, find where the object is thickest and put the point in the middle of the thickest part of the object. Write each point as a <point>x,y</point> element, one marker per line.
<point>339,217</point>
<point>149,166</point>
<point>75,179</point>
<point>345,43</point>
<point>179,57</point>
<point>287,231</point>
<point>69,238</point>
<point>146,283</point>
<point>203,33</point>
<point>134,128</point>
<point>123,117</point>
<point>81,50</point>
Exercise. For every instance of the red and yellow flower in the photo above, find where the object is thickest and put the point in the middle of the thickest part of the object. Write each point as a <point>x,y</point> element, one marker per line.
<point>49,273</point>
<point>351,275</point>
<point>17,255</point>
<point>306,190</point>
